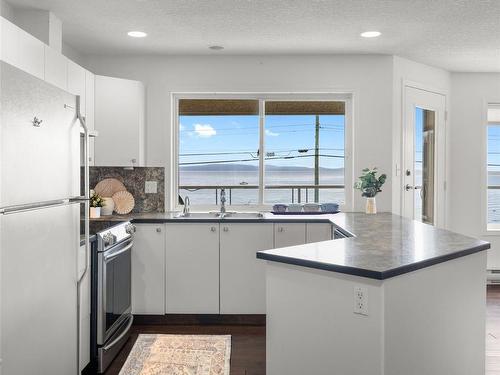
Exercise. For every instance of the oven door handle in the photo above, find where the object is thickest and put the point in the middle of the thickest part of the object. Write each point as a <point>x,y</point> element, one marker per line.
<point>125,331</point>
<point>114,255</point>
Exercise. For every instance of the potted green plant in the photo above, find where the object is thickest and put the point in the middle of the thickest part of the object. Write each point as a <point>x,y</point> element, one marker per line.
<point>96,202</point>
<point>370,185</point>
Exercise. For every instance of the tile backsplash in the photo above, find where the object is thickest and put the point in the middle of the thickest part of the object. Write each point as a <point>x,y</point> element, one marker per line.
<point>135,182</point>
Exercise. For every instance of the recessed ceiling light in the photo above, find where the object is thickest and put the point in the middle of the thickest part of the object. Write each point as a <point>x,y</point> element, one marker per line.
<point>137,34</point>
<point>371,34</point>
<point>216,48</point>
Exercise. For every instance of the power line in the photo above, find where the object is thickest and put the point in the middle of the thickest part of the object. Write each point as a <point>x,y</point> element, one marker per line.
<point>255,159</point>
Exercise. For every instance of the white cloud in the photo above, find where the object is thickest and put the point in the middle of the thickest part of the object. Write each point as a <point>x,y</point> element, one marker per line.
<point>204,130</point>
<point>182,127</point>
<point>271,134</point>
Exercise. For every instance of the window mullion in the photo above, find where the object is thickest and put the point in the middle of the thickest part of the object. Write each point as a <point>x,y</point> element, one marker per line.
<point>262,150</point>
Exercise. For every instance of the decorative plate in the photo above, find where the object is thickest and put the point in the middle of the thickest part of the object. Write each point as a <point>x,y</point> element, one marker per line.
<point>108,187</point>
<point>124,202</point>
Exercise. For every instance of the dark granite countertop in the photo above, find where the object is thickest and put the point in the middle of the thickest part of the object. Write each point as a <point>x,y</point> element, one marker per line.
<point>379,247</point>
<point>384,246</point>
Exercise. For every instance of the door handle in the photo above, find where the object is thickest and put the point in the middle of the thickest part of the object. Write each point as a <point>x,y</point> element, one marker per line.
<point>409,187</point>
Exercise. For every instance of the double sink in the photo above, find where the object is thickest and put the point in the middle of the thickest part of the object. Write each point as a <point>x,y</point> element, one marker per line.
<point>221,215</point>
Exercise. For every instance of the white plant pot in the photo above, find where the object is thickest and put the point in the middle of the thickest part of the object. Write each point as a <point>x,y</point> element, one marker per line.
<point>108,207</point>
<point>95,212</point>
<point>371,206</point>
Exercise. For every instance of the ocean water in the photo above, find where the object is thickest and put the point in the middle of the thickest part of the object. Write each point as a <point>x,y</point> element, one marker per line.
<point>272,196</point>
<point>248,196</point>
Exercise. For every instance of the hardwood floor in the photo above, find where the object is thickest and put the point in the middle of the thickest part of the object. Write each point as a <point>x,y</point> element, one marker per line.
<point>248,355</point>
<point>248,349</point>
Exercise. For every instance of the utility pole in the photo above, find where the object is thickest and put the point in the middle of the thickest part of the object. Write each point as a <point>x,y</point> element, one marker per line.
<point>316,161</point>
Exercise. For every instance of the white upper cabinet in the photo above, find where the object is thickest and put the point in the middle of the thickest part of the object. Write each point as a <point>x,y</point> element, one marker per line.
<point>119,119</point>
<point>89,110</point>
<point>22,50</point>
<point>10,42</point>
<point>77,83</point>
<point>31,55</point>
<point>56,68</point>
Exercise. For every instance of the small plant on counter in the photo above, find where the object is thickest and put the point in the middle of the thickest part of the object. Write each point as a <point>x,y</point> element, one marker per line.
<point>370,185</point>
<point>96,202</point>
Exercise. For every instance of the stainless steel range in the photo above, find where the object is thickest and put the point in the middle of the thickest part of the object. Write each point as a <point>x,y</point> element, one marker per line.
<point>111,292</point>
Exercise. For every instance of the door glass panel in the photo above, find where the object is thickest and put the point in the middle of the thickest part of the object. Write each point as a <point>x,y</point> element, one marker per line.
<point>118,287</point>
<point>425,121</point>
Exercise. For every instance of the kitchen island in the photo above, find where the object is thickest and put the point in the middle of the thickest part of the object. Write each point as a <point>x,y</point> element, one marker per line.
<point>398,297</point>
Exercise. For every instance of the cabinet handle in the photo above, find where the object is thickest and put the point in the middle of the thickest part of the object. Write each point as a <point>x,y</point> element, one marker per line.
<point>212,229</point>
<point>158,230</point>
<point>226,229</point>
<point>281,229</point>
<point>133,161</point>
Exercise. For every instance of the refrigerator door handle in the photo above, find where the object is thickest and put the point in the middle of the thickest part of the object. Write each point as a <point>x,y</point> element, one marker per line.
<point>86,200</point>
<point>33,206</point>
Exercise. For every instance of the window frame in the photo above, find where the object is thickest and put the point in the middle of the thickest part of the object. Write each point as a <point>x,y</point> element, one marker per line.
<point>347,98</point>
<point>491,228</point>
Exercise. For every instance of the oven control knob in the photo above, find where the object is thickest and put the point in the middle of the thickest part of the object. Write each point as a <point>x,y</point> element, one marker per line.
<point>130,228</point>
<point>108,239</point>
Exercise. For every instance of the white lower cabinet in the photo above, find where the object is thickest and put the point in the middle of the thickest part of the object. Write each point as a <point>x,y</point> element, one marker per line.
<point>192,268</point>
<point>148,269</point>
<point>317,232</point>
<point>289,234</point>
<point>242,275</point>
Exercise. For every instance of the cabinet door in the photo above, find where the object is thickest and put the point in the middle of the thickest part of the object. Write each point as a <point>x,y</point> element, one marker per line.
<point>76,83</point>
<point>119,119</point>
<point>148,269</point>
<point>242,275</point>
<point>56,68</point>
<point>89,117</point>
<point>10,42</point>
<point>31,54</point>
<point>192,268</point>
<point>289,234</point>
<point>317,232</point>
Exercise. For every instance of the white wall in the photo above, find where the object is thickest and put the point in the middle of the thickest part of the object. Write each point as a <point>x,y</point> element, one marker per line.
<point>369,77</point>
<point>467,164</point>
<point>407,71</point>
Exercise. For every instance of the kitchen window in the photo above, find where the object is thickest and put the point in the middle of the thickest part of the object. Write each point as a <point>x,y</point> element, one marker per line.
<point>493,166</point>
<point>262,149</point>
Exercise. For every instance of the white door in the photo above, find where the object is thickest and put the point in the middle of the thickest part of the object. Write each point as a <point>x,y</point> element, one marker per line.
<point>242,275</point>
<point>424,156</point>
<point>192,272</point>
<point>148,270</point>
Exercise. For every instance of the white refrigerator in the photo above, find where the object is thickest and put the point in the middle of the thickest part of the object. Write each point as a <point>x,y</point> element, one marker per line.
<point>40,199</point>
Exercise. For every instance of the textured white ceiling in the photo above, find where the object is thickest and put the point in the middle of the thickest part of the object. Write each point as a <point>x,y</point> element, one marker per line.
<point>458,35</point>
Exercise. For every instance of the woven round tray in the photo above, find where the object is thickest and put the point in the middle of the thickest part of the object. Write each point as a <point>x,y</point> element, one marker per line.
<point>108,187</point>
<point>124,202</point>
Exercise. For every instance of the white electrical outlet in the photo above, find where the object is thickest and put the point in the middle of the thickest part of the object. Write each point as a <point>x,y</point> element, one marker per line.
<point>360,300</point>
<point>151,187</point>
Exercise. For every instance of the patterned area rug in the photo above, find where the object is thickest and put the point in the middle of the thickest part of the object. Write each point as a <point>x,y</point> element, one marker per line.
<point>179,355</point>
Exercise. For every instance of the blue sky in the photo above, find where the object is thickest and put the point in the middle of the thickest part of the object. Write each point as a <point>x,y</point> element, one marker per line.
<point>237,137</point>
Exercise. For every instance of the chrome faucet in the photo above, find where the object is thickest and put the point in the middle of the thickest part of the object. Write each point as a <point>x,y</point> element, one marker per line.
<point>185,212</point>
<point>223,201</point>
